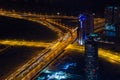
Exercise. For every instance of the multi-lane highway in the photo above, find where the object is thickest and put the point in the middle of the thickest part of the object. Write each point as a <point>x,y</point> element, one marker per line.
<point>66,37</point>
<point>31,68</point>
<point>24,43</point>
<point>110,56</point>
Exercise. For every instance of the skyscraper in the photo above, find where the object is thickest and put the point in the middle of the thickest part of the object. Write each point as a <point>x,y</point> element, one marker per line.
<point>112,23</point>
<point>86,26</point>
<point>91,59</point>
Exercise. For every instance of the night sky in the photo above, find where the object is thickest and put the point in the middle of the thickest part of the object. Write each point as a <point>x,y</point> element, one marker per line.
<point>65,6</point>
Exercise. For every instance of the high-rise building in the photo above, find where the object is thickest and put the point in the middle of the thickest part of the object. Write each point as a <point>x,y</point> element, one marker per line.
<point>112,14</point>
<point>86,26</point>
<point>91,59</point>
<point>112,23</point>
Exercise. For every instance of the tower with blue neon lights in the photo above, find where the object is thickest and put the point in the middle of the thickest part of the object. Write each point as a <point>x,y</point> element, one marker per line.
<point>85,27</point>
<point>87,38</point>
<point>81,30</point>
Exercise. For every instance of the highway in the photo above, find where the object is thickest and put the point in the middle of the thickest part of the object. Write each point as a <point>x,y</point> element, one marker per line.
<point>31,68</point>
<point>54,51</point>
<point>65,40</point>
<point>24,43</point>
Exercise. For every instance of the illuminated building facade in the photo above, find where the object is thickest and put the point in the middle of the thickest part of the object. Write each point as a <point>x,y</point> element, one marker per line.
<point>112,23</point>
<point>91,59</point>
<point>86,26</point>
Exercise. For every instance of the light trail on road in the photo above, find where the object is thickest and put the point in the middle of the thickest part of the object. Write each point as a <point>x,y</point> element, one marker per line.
<point>24,43</point>
<point>110,56</point>
<point>106,54</point>
<point>27,70</point>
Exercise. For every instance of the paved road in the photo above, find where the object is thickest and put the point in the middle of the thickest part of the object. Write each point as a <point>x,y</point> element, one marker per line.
<point>27,71</point>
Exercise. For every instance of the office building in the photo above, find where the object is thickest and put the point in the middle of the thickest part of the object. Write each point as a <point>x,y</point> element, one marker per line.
<point>112,23</point>
<point>91,59</point>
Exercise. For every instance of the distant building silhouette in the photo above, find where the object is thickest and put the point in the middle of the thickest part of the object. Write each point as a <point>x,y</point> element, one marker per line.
<point>112,23</point>
<point>91,59</point>
<point>86,26</point>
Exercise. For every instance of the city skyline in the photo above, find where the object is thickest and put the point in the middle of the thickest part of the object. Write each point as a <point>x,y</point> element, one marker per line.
<point>54,40</point>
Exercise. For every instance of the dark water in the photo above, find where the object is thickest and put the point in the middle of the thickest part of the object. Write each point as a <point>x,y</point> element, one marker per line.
<point>24,30</point>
